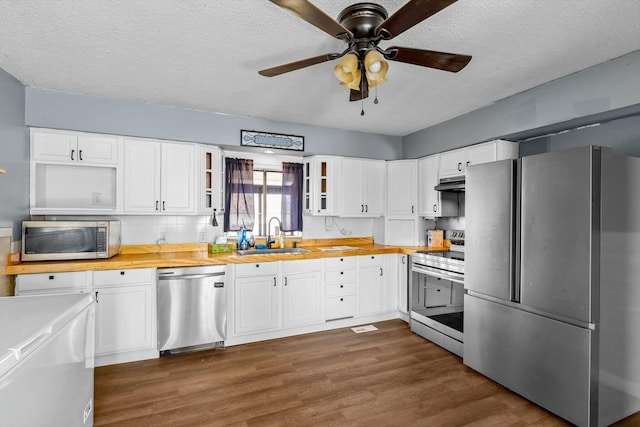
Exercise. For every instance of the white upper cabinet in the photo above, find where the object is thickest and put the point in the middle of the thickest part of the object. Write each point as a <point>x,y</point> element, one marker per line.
<point>481,153</point>
<point>322,177</point>
<point>452,163</point>
<point>431,203</point>
<point>72,147</point>
<point>363,187</point>
<point>402,185</point>
<point>177,178</point>
<point>211,176</point>
<point>74,173</point>
<point>159,177</point>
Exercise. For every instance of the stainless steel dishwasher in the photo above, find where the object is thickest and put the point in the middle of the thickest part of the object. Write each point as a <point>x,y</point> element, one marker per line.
<point>192,308</point>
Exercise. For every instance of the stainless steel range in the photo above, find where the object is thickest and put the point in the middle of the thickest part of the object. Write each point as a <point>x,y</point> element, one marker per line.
<point>436,294</point>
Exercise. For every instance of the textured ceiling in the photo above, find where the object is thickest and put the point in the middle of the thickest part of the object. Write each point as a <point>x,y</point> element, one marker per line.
<point>205,55</point>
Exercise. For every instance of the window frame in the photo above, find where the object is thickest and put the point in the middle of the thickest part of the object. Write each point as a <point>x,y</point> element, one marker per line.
<point>265,163</point>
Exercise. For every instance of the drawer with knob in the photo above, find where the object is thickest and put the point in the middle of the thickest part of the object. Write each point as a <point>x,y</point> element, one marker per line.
<point>252,269</point>
<point>340,262</point>
<point>338,289</point>
<point>346,275</point>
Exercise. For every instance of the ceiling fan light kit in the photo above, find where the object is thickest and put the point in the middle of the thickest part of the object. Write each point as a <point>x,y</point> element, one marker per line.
<point>363,26</point>
<point>348,71</point>
<point>376,68</point>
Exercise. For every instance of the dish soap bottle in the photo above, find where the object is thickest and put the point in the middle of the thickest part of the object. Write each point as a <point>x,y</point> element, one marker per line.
<point>281,242</point>
<point>244,243</point>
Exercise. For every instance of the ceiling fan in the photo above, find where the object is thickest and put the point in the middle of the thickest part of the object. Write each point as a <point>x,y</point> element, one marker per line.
<point>363,26</point>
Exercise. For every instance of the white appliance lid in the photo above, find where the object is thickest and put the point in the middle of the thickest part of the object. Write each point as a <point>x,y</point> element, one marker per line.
<point>27,321</point>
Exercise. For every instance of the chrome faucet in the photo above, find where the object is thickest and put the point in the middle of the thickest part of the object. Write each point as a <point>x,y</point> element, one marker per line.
<point>269,241</point>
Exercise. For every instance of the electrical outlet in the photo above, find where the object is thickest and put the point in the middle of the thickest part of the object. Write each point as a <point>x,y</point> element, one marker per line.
<point>87,410</point>
<point>202,237</point>
<point>96,198</point>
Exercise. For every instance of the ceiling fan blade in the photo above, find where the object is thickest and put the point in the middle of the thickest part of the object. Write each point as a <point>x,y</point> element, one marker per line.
<point>292,66</point>
<point>452,62</point>
<point>412,13</point>
<point>363,93</point>
<point>315,16</point>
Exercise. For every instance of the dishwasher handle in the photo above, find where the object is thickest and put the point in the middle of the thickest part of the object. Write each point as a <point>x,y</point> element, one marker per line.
<point>172,276</point>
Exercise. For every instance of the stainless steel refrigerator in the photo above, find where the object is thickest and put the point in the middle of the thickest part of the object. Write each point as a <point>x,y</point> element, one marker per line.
<point>552,303</point>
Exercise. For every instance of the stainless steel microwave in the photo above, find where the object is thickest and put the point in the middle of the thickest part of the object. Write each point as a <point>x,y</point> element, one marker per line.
<point>68,240</point>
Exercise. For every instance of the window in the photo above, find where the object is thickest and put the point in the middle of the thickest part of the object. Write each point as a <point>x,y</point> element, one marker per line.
<point>267,197</point>
<point>256,195</point>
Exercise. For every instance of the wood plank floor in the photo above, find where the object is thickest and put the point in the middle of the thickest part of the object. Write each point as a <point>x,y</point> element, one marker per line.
<point>388,377</point>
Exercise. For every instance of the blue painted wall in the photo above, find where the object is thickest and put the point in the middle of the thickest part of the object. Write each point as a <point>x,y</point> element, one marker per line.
<point>14,155</point>
<point>608,90</point>
<point>45,108</point>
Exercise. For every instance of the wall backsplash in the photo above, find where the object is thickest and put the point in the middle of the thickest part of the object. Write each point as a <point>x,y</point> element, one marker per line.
<point>147,229</point>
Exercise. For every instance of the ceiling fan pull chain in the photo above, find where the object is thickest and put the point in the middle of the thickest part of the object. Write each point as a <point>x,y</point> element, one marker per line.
<point>375,101</point>
<point>362,101</point>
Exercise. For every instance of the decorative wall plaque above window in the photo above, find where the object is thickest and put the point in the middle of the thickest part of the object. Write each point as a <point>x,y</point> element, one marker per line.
<point>271,140</point>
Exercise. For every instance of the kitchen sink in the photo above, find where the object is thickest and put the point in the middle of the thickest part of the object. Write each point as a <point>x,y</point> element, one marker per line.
<point>281,251</point>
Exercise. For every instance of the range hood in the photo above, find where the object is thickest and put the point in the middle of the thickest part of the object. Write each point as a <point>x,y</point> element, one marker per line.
<point>455,184</point>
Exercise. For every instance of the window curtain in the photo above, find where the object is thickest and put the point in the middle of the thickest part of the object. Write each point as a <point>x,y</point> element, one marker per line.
<point>292,193</point>
<point>238,204</point>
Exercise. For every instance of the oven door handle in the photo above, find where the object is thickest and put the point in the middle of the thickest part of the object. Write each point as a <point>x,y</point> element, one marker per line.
<point>435,272</point>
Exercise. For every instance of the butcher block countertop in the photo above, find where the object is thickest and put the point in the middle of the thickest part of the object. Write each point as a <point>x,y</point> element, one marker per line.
<point>196,254</point>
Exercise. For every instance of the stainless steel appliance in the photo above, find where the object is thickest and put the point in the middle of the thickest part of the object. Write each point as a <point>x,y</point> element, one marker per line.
<point>192,308</point>
<point>69,240</point>
<point>552,303</point>
<point>436,294</point>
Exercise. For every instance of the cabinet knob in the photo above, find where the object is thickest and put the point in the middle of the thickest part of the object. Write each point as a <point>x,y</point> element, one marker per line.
<point>257,265</point>
<point>52,277</point>
<point>72,153</point>
<point>80,155</point>
<point>435,208</point>
<point>459,166</point>
<point>96,297</point>
<point>342,286</point>
<point>122,273</point>
<point>341,299</point>
<point>342,272</point>
<point>274,281</point>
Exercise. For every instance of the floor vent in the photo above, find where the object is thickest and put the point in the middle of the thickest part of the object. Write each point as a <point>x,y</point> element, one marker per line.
<point>361,329</point>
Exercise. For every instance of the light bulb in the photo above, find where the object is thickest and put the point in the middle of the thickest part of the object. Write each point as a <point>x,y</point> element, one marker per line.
<point>375,66</point>
<point>346,69</point>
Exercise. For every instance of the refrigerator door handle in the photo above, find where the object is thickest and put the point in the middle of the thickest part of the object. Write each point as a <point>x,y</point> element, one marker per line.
<point>515,224</point>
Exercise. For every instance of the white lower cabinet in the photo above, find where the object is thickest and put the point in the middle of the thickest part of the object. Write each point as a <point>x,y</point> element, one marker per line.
<point>371,285</point>
<point>256,301</point>
<point>301,293</point>
<point>340,287</point>
<point>403,283</point>
<point>125,315</point>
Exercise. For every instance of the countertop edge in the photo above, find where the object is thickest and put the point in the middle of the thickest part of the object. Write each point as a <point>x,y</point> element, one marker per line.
<point>198,258</point>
